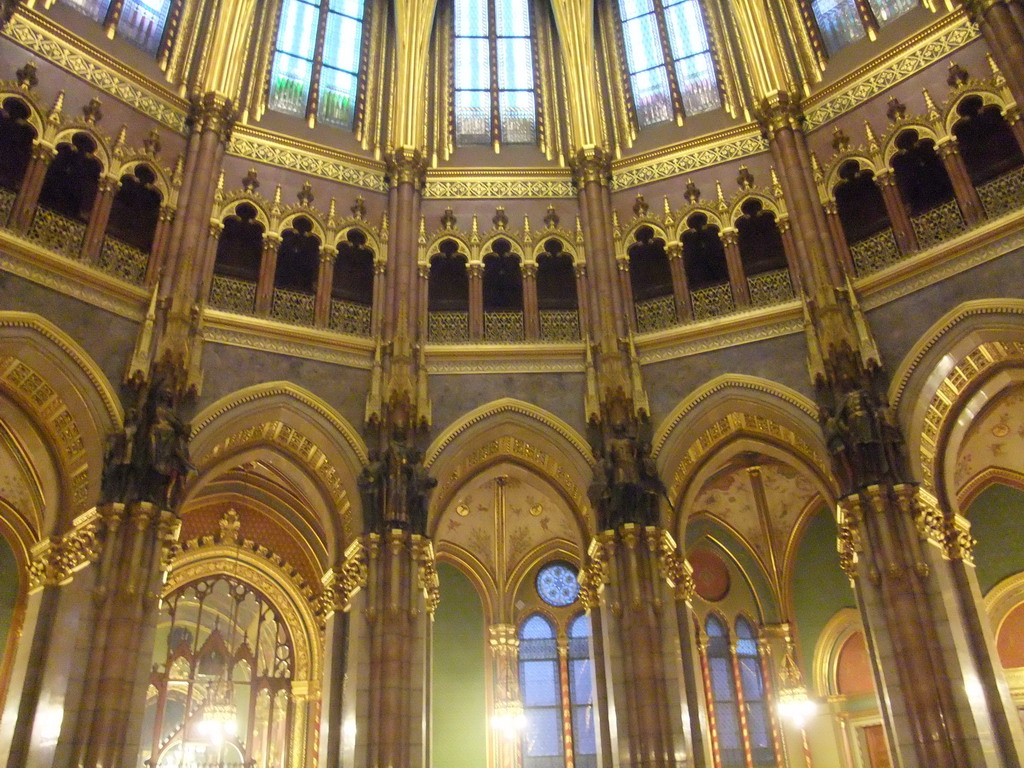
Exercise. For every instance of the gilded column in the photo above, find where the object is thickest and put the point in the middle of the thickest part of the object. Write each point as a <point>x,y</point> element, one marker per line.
<point>531,311</point>
<point>324,279</point>
<point>680,291</point>
<point>899,216</point>
<point>24,207</point>
<point>731,242</point>
<point>268,267</point>
<point>636,586</point>
<point>966,195</point>
<point>1001,23</point>
<point>92,242</point>
<point>476,300</point>
<point>508,708</point>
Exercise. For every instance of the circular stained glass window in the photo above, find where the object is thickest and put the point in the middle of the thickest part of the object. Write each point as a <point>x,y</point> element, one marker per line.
<point>557,584</point>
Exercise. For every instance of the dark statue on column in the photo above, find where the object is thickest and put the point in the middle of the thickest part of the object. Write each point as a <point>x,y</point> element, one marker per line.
<point>860,428</point>
<point>394,485</point>
<point>148,460</point>
<point>626,487</point>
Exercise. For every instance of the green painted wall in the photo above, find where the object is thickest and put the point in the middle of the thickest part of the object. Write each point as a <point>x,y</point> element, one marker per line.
<point>8,589</point>
<point>702,526</point>
<point>820,588</point>
<point>997,522</point>
<point>459,704</point>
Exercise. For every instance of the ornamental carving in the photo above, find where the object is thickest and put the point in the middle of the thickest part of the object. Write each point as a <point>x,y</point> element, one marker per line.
<point>55,560</point>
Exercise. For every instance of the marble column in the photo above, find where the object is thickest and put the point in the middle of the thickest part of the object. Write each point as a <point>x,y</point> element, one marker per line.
<point>1001,23</point>
<point>966,195</point>
<point>504,647</point>
<point>839,237</point>
<point>531,311</point>
<point>680,291</point>
<point>476,300</point>
<point>899,215</point>
<point>96,228</point>
<point>636,587</point>
<point>24,206</point>
<point>626,287</point>
<point>324,279</point>
<point>740,290</point>
<point>268,268</point>
<point>388,679</point>
<point>158,253</point>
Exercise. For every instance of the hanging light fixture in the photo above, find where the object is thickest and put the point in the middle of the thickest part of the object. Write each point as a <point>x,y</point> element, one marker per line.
<point>794,705</point>
<point>508,719</point>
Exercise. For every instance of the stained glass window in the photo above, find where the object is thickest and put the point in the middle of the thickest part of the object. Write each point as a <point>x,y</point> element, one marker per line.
<point>888,10</point>
<point>142,22</point>
<point>541,690</point>
<point>94,9</point>
<point>337,25</point>
<point>723,694</point>
<point>505,47</point>
<point>752,684</point>
<point>581,696</point>
<point>681,22</point>
<point>839,23</point>
<point>557,584</point>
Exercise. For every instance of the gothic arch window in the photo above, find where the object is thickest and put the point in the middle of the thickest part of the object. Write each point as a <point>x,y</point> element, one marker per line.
<point>841,22</point>
<point>986,141</point>
<point>223,647</point>
<point>317,55</point>
<point>723,699</point>
<point>142,23</point>
<point>703,254</point>
<point>352,285</point>
<point>668,58</point>
<point>16,137</point>
<point>755,699</point>
<point>759,239</point>
<point>557,298</point>
<point>236,266</point>
<point>297,273</point>
<point>448,294</point>
<point>581,695</point>
<point>502,294</point>
<point>494,74</point>
<point>920,174</point>
<point>135,210</point>
<point>72,179</point>
<point>541,690</point>
<point>859,203</point>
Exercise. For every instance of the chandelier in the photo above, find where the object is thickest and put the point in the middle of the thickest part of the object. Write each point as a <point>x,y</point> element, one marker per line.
<point>508,719</point>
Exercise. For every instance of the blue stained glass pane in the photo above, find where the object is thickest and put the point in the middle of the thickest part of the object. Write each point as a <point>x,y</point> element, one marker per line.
<point>714,627</point>
<point>94,9</point>
<point>580,627</point>
<point>746,647</point>
<point>629,9</point>
<point>337,97</point>
<point>512,18</point>
<point>721,678</point>
<point>583,740</point>
<point>887,10</point>
<point>536,628</point>
<point>538,682</point>
<point>698,84</point>
<point>653,102</point>
<point>750,679</point>
<point>342,42</point>
<point>353,8</point>
<point>727,721</point>
<point>471,18</point>
<point>473,117</point>
<point>515,64</point>
<point>517,116</point>
<point>757,727</point>
<point>579,682</point>
<point>472,68</point>
<point>643,46</point>
<point>289,83</point>
<point>838,22</point>
<point>743,629</point>
<point>557,584</point>
<point>297,33</point>
<point>686,35</point>
<point>543,734</point>
<point>142,22</point>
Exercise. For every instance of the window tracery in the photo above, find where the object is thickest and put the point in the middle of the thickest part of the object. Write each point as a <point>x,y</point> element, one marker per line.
<point>317,54</point>
<point>668,59</point>
<point>494,74</point>
<point>841,22</point>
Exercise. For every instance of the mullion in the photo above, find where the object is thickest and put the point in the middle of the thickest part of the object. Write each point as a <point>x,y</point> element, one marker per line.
<point>492,48</point>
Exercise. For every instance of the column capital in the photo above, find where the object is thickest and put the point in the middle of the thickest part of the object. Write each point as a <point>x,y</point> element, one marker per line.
<point>529,269</point>
<point>674,250</point>
<point>591,165</point>
<point>780,111</point>
<point>406,165</point>
<point>212,112</point>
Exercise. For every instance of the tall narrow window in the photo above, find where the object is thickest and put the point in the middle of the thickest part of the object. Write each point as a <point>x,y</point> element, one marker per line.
<point>494,36</point>
<point>540,687</point>
<point>890,10</point>
<point>584,743</point>
<point>723,694</point>
<point>748,660</point>
<point>838,22</point>
<point>645,24</point>
<point>142,22</point>
<point>316,61</point>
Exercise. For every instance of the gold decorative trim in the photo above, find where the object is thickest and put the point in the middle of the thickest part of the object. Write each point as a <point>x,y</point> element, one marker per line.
<point>56,559</point>
<point>70,347</point>
<point>295,341</point>
<point>720,384</point>
<point>39,34</point>
<point>688,157</point>
<point>483,185</point>
<point>257,392</point>
<point>503,406</point>
<point>505,358</point>
<point>255,144</point>
<point>890,68</point>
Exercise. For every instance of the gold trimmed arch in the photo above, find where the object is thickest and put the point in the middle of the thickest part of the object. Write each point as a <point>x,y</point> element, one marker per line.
<point>825,658</point>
